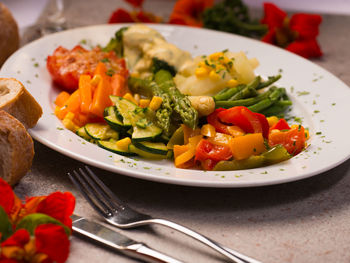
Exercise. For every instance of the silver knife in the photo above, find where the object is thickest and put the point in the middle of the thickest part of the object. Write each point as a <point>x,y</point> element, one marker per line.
<point>117,241</point>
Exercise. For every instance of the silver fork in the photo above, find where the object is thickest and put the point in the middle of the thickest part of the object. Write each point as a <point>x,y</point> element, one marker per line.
<point>117,213</point>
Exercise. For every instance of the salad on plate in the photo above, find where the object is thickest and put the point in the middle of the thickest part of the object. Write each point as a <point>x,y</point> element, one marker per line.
<point>142,96</point>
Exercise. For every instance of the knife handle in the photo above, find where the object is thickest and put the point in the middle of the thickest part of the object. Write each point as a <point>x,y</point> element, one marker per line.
<point>143,252</point>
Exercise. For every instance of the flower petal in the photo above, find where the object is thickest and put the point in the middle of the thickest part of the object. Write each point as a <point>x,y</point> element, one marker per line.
<point>188,12</point>
<point>19,239</point>
<point>306,48</point>
<point>58,205</point>
<point>51,240</point>
<point>306,25</point>
<point>7,196</point>
<point>270,37</point>
<point>274,16</point>
<point>121,16</point>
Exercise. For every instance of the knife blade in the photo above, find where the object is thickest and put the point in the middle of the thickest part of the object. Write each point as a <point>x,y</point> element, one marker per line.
<point>117,241</point>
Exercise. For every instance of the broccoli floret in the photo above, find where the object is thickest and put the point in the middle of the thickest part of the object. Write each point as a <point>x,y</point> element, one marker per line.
<point>116,43</point>
<point>232,16</point>
<point>158,64</point>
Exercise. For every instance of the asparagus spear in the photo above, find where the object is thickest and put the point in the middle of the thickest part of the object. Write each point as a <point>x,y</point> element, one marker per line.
<point>181,103</point>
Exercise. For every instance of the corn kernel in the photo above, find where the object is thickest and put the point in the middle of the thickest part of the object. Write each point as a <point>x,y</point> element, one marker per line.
<point>130,97</point>
<point>232,83</point>
<point>295,126</point>
<point>213,75</point>
<point>69,124</point>
<point>272,120</point>
<point>216,55</point>
<point>95,80</point>
<point>69,115</point>
<point>155,103</point>
<point>143,103</point>
<point>201,64</point>
<point>123,144</point>
<point>201,72</point>
<point>225,60</point>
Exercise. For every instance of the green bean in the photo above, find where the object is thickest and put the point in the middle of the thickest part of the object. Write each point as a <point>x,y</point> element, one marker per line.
<point>227,93</point>
<point>248,91</point>
<point>270,80</point>
<point>244,102</point>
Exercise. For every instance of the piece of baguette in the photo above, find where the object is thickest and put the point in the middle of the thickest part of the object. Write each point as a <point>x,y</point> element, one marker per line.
<point>9,35</point>
<point>18,102</point>
<point>16,149</point>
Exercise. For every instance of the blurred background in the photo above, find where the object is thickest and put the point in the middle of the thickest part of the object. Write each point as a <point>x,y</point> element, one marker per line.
<point>27,12</point>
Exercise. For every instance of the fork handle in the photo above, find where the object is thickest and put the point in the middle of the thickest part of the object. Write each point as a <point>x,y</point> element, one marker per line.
<point>229,253</point>
<point>143,252</point>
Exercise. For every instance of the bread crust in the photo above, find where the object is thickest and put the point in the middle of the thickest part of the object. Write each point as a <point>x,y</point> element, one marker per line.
<point>18,102</point>
<point>9,35</point>
<point>16,149</point>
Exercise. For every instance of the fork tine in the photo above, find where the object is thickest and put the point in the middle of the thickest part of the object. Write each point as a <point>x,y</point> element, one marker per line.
<point>96,187</point>
<point>87,192</point>
<point>120,204</point>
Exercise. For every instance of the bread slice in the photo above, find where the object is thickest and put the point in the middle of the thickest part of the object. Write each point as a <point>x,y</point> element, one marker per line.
<point>18,102</point>
<point>16,149</point>
<point>9,34</point>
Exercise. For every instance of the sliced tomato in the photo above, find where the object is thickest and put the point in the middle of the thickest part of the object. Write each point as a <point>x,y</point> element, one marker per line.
<point>280,125</point>
<point>247,120</point>
<point>66,66</point>
<point>293,139</point>
<point>213,120</point>
<point>207,150</point>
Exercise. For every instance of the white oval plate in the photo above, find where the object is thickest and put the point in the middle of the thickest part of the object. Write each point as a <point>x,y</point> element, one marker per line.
<point>320,99</point>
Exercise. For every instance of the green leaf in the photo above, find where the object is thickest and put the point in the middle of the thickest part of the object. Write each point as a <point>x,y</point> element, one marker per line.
<point>5,225</point>
<point>31,221</point>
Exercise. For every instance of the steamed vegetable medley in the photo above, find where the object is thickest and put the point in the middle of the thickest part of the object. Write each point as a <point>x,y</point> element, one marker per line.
<point>142,96</point>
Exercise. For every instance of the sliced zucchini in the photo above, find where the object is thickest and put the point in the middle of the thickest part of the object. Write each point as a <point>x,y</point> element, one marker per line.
<point>152,147</point>
<point>144,154</point>
<point>116,123</point>
<point>82,133</point>
<point>109,111</point>
<point>124,108</point>
<point>150,133</point>
<point>112,147</point>
<point>101,131</point>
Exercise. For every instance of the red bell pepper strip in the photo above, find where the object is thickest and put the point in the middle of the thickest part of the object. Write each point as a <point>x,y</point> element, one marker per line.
<point>213,120</point>
<point>280,125</point>
<point>247,120</point>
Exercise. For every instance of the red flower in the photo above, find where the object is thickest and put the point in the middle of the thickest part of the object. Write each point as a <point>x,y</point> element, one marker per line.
<point>57,205</point>
<point>49,244</point>
<point>189,12</point>
<point>297,34</point>
<point>53,241</point>
<point>122,16</point>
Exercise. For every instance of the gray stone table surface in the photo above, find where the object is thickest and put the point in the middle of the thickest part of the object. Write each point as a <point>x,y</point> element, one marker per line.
<point>303,221</point>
